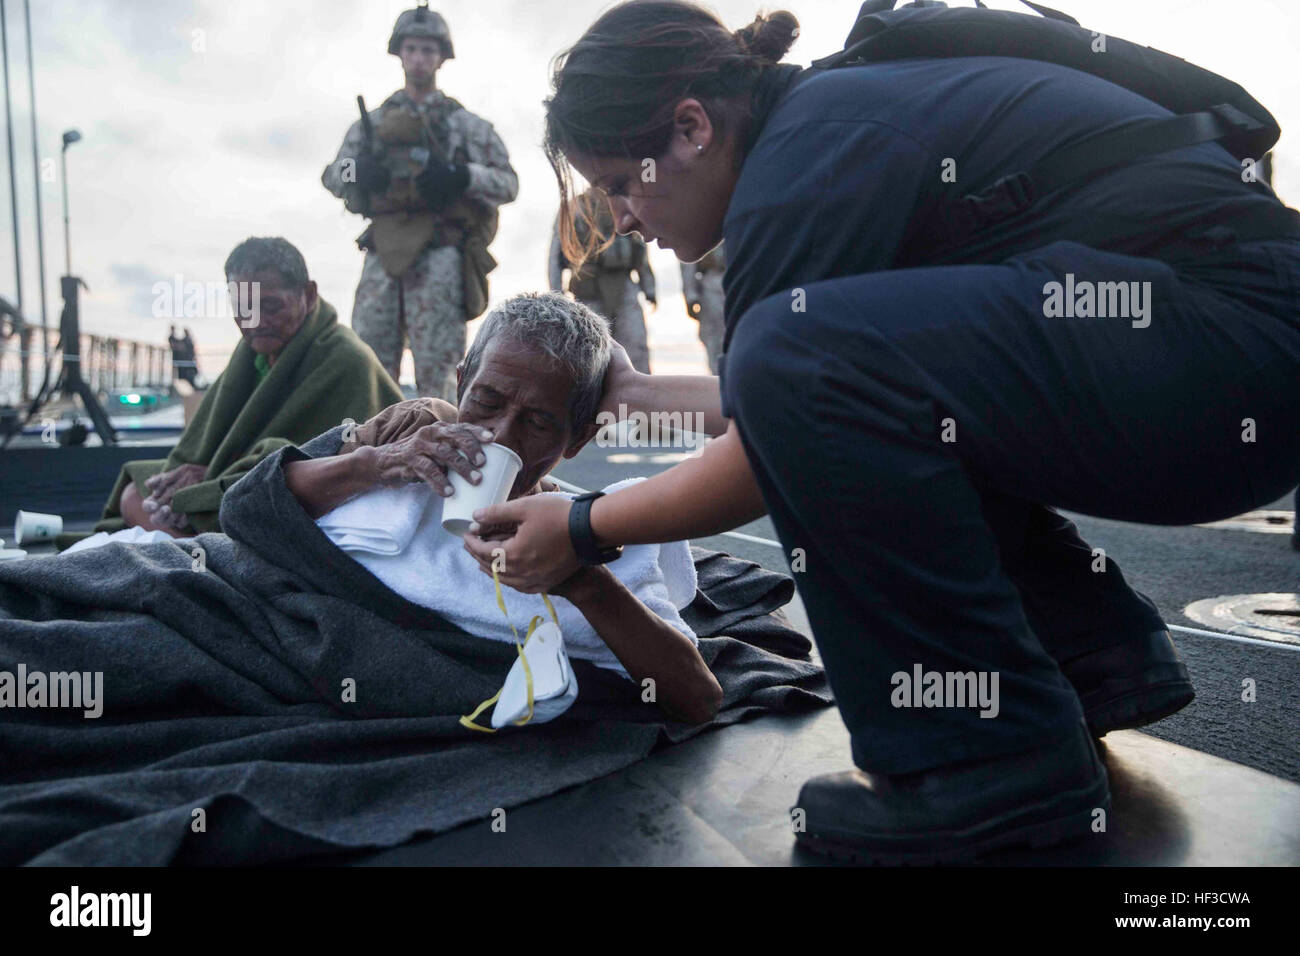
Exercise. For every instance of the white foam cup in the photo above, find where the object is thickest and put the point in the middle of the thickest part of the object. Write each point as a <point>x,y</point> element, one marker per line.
<point>33,526</point>
<point>499,473</point>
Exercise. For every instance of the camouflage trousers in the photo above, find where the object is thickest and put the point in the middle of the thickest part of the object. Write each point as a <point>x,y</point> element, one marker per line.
<point>711,318</point>
<point>426,307</point>
<point>626,324</point>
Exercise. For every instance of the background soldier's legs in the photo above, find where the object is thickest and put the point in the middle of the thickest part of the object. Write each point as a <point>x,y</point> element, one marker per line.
<point>435,320</point>
<point>712,326</point>
<point>375,316</point>
<point>628,328</point>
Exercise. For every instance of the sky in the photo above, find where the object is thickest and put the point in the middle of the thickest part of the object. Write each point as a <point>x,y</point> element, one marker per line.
<point>207,121</point>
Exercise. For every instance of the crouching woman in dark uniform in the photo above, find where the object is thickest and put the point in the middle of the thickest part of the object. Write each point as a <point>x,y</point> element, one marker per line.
<point>909,414</point>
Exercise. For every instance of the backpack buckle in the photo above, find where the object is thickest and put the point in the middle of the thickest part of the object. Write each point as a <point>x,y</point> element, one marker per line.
<point>1005,198</point>
<point>974,212</point>
<point>1234,118</point>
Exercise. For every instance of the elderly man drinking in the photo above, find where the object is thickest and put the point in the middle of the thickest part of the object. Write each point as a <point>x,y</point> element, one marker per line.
<point>532,382</point>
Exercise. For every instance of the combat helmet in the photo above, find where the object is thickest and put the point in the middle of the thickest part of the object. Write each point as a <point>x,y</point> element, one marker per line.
<point>421,22</point>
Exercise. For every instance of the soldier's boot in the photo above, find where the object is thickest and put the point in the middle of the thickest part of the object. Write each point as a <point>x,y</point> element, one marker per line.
<point>1131,684</point>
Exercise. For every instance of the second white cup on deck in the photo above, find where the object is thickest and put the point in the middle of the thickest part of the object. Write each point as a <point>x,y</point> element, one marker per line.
<point>499,473</point>
<point>30,526</point>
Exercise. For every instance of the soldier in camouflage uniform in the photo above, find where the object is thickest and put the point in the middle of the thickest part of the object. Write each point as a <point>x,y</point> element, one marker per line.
<point>430,176</point>
<point>605,283</point>
<point>702,287</point>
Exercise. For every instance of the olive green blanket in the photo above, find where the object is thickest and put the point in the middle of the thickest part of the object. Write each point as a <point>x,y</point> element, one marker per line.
<point>323,376</point>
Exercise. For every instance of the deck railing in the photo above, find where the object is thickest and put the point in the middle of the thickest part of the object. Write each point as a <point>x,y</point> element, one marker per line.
<point>108,363</point>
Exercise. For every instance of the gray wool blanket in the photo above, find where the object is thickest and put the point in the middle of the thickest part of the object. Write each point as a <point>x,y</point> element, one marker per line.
<point>268,699</point>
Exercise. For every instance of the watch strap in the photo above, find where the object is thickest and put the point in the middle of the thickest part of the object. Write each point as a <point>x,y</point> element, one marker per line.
<point>581,535</point>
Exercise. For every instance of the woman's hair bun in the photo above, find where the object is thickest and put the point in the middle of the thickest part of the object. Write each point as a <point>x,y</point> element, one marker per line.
<point>770,36</point>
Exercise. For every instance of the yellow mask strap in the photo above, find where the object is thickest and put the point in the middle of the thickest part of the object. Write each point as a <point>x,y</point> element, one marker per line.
<point>468,721</point>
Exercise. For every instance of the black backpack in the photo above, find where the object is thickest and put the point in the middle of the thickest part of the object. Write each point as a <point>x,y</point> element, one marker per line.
<point>1209,107</point>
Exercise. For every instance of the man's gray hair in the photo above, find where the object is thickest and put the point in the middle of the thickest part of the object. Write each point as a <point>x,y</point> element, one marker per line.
<point>566,330</point>
<point>269,254</point>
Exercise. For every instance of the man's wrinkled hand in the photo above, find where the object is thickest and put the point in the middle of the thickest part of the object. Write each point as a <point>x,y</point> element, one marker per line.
<point>166,483</point>
<point>162,487</point>
<point>399,421</point>
<point>165,519</point>
<point>429,453</point>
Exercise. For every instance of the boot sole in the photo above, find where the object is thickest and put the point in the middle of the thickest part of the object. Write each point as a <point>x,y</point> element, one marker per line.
<point>1131,684</point>
<point>964,846</point>
<point>1138,706</point>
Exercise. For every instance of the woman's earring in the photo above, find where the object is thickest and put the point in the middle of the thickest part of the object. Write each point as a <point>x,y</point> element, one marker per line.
<point>699,147</point>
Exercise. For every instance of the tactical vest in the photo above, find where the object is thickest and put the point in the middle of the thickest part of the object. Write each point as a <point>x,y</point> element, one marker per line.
<point>404,224</point>
<point>596,277</point>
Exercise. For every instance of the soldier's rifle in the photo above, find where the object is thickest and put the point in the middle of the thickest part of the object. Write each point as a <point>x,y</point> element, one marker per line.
<point>368,137</point>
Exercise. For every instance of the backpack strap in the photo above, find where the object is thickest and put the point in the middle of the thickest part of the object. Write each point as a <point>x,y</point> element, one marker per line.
<point>928,28</point>
<point>1045,12</point>
<point>1080,161</point>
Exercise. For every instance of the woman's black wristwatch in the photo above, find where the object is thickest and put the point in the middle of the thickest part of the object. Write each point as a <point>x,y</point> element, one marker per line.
<point>584,542</point>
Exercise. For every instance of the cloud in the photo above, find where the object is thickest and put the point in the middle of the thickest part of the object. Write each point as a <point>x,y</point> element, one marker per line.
<point>131,274</point>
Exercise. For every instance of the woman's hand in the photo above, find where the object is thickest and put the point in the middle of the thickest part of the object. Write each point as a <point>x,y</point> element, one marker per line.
<point>619,378</point>
<point>430,452</point>
<point>539,555</point>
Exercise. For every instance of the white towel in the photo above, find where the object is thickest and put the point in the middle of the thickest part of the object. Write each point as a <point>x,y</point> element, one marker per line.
<point>132,535</point>
<point>431,567</point>
<point>381,521</point>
